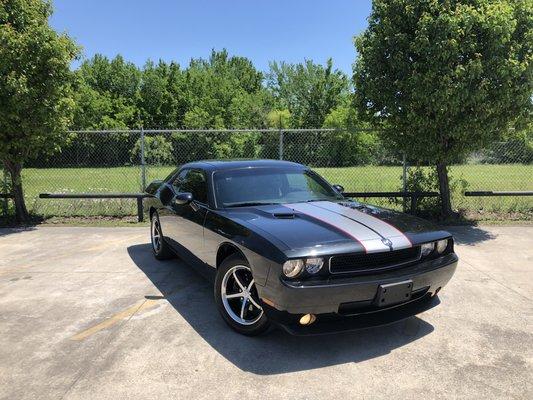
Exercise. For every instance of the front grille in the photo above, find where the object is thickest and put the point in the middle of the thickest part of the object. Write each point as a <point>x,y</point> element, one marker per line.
<point>367,263</point>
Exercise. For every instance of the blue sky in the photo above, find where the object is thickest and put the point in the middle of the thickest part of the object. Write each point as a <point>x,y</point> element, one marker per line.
<point>267,30</point>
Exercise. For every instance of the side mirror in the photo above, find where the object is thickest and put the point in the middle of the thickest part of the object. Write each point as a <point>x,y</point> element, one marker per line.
<point>182,198</point>
<point>339,188</point>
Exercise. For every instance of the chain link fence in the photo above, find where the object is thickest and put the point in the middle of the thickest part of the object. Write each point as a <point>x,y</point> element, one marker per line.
<point>125,161</point>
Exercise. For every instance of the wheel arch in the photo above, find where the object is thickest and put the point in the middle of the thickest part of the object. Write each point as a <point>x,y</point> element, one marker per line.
<point>225,250</point>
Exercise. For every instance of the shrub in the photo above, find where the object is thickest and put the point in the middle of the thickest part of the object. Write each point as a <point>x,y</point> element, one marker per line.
<point>157,151</point>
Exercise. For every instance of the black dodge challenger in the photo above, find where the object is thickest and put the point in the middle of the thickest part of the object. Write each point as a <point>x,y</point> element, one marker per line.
<point>287,248</point>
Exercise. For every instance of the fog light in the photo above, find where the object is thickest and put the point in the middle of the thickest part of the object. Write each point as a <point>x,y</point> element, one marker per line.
<point>307,319</point>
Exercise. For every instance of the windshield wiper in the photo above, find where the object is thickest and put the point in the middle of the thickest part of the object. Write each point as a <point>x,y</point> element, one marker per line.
<point>249,204</point>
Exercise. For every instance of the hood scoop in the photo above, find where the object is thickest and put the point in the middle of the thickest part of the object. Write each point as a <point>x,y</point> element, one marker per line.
<point>287,215</point>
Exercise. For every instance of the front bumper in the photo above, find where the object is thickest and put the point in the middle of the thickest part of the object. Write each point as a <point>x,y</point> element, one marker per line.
<point>353,297</point>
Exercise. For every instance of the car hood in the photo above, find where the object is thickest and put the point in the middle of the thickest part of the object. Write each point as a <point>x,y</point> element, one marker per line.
<point>326,226</point>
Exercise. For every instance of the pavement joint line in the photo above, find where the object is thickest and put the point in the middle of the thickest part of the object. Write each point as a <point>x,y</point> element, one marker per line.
<point>495,280</point>
<point>124,315</point>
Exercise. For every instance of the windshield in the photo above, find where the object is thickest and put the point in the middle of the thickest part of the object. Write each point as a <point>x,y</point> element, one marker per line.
<point>255,186</point>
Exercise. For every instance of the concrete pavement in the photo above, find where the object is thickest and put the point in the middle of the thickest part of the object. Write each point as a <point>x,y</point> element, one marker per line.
<point>88,313</point>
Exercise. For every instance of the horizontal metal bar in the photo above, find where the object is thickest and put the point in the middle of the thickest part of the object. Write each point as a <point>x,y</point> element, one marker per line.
<point>391,194</point>
<point>499,193</point>
<point>148,131</point>
<point>92,195</point>
<point>6,196</point>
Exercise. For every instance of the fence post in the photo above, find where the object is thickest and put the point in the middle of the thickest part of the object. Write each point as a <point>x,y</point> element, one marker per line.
<point>143,164</point>
<point>404,181</point>
<point>4,190</point>
<point>280,143</point>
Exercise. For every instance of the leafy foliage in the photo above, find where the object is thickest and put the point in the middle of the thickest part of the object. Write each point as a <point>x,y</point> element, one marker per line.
<point>443,78</point>
<point>279,119</point>
<point>424,179</point>
<point>352,143</point>
<point>308,91</point>
<point>35,93</point>
<point>221,92</point>
<point>36,102</point>
<point>157,151</point>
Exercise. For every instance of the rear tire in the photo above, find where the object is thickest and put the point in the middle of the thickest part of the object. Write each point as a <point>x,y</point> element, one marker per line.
<point>160,248</point>
<point>237,299</point>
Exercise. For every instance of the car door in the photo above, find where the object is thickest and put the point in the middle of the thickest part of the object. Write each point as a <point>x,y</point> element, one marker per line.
<point>183,225</point>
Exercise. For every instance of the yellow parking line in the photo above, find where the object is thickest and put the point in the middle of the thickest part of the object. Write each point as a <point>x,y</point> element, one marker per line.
<point>125,314</point>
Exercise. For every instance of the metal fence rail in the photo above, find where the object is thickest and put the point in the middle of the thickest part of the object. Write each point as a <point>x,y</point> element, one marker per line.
<point>125,161</point>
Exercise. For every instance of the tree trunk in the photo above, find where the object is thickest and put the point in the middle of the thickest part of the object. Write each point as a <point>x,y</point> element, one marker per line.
<point>444,188</point>
<point>21,213</point>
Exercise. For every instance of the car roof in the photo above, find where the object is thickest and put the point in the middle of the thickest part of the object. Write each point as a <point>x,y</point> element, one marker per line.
<point>217,165</point>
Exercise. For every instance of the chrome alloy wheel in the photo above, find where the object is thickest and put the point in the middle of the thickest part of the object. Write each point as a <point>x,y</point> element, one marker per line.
<point>156,235</point>
<point>239,295</point>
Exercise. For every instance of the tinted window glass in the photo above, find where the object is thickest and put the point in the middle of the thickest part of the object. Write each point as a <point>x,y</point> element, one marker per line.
<point>178,182</point>
<point>194,182</point>
<point>270,185</point>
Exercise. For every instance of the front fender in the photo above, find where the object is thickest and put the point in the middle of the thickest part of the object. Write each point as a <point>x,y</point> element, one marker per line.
<point>261,253</point>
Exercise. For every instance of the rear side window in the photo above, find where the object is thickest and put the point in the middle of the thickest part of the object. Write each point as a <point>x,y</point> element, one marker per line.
<point>194,182</point>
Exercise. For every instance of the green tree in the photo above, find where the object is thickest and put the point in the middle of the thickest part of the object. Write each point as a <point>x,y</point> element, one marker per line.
<point>309,91</point>
<point>219,88</point>
<point>117,77</point>
<point>35,93</point>
<point>99,110</point>
<point>162,97</point>
<point>106,94</point>
<point>223,92</point>
<point>279,119</point>
<point>351,143</point>
<point>443,78</point>
<point>157,151</point>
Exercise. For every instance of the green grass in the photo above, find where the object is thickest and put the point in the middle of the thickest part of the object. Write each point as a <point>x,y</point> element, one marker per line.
<point>366,178</point>
<point>513,177</point>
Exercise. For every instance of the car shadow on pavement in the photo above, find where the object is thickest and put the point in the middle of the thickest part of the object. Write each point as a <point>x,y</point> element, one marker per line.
<point>469,234</point>
<point>191,295</point>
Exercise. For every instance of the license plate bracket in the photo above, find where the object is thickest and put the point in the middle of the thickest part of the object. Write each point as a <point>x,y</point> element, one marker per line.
<point>394,293</point>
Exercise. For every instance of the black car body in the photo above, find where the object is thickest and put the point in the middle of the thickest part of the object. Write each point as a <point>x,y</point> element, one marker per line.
<point>373,270</point>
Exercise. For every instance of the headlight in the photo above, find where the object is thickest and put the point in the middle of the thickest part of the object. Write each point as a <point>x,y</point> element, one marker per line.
<point>291,268</point>
<point>442,245</point>
<point>427,248</point>
<point>313,265</point>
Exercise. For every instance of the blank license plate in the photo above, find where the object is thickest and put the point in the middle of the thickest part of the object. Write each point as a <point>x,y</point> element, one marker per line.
<point>394,293</point>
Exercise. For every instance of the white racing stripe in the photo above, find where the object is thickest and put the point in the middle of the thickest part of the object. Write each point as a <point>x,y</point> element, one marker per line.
<point>369,239</point>
<point>397,237</point>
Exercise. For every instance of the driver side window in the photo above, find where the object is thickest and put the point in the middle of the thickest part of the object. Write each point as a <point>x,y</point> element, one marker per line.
<point>192,181</point>
<point>177,184</point>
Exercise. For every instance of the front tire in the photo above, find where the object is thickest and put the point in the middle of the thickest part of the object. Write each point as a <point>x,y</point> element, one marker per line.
<point>237,299</point>
<point>160,248</point>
